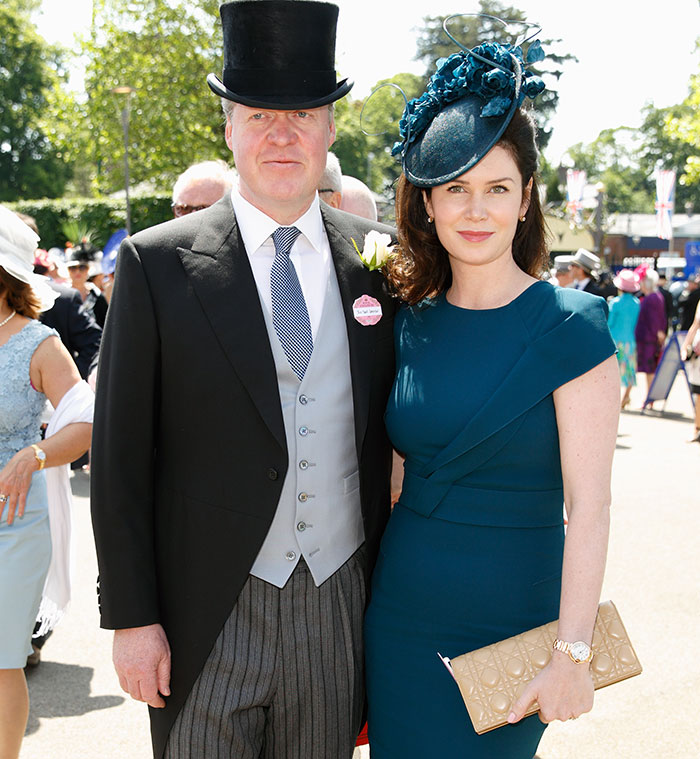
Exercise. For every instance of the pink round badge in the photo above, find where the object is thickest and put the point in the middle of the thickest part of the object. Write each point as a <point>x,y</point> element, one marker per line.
<point>367,310</point>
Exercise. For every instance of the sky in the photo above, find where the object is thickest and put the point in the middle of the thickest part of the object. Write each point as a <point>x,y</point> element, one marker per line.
<point>628,55</point>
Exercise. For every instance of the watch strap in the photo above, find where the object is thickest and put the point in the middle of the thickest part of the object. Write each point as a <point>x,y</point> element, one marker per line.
<point>40,456</point>
<point>566,648</point>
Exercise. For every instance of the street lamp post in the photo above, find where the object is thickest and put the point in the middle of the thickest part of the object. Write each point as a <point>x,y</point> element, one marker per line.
<point>126,111</point>
<point>598,234</point>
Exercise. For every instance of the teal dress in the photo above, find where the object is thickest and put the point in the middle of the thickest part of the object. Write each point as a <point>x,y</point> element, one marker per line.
<point>473,551</point>
<point>622,320</point>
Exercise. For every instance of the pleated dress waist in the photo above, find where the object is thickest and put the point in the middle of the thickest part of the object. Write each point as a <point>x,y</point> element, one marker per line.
<point>482,506</point>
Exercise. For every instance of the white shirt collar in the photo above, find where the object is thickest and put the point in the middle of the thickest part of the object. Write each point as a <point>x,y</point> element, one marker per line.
<point>256,226</point>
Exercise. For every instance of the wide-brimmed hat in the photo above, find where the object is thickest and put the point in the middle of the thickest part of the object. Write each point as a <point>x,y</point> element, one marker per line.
<point>279,54</point>
<point>627,281</point>
<point>18,242</point>
<point>466,108</point>
<point>586,260</point>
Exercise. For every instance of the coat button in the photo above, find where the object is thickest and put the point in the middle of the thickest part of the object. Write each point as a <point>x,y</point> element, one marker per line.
<point>303,465</point>
<point>303,497</point>
<point>290,556</point>
<point>272,474</point>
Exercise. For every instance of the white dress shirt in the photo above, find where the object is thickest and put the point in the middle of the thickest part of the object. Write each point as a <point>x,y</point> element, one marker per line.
<point>310,254</point>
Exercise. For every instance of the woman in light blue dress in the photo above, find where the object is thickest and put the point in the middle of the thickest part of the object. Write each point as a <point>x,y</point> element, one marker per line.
<point>622,319</point>
<point>34,366</point>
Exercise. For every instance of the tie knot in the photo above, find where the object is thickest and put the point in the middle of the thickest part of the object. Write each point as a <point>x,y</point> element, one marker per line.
<point>284,238</point>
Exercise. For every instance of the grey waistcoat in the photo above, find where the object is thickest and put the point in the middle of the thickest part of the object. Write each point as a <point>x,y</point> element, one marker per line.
<point>319,515</point>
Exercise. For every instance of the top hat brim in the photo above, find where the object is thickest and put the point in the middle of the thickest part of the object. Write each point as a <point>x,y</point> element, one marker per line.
<point>280,102</point>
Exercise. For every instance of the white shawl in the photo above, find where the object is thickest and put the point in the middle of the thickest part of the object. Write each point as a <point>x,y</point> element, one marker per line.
<point>75,406</point>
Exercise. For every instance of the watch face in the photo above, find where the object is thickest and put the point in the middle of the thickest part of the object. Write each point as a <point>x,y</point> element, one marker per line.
<point>579,650</point>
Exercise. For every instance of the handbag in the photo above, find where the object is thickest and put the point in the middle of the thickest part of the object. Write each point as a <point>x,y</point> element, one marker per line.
<point>491,678</point>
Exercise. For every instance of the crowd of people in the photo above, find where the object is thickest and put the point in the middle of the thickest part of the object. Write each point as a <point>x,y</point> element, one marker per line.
<point>238,536</point>
<point>643,314</point>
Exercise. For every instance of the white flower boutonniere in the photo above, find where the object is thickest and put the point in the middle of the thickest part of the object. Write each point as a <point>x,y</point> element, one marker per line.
<point>377,250</point>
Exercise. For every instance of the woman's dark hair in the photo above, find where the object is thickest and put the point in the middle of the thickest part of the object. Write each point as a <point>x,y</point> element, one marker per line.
<point>20,296</point>
<point>421,268</point>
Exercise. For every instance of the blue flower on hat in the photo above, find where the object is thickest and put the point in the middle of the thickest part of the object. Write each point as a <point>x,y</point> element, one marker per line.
<point>487,72</point>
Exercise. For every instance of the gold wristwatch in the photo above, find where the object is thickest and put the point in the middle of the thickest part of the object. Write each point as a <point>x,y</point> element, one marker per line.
<point>578,651</point>
<point>40,456</point>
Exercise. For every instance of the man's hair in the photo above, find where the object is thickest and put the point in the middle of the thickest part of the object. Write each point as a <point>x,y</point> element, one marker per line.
<point>332,177</point>
<point>216,170</point>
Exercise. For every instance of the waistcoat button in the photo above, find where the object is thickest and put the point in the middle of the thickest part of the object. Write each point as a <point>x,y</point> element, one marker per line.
<point>303,464</point>
<point>303,431</point>
<point>301,526</point>
<point>290,556</point>
<point>303,497</point>
<point>303,400</point>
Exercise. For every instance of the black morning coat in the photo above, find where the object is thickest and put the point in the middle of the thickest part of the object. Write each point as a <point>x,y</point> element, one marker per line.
<point>189,451</point>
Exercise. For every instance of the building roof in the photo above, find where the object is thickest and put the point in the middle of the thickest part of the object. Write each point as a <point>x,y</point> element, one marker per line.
<point>644,224</point>
<point>566,239</point>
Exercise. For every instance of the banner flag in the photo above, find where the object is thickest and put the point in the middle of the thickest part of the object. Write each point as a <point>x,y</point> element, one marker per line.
<point>665,197</point>
<point>575,184</point>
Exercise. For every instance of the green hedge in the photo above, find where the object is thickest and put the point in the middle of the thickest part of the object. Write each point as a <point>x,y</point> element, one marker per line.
<point>103,216</point>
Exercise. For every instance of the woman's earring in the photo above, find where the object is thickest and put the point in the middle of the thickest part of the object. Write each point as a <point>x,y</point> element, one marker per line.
<point>522,218</point>
<point>430,219</point>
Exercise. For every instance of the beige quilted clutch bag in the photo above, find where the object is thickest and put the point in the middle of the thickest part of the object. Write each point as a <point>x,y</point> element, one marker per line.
<point>491,678</point>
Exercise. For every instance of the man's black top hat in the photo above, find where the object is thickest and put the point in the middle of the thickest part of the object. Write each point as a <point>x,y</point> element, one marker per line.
<point>279,54</point>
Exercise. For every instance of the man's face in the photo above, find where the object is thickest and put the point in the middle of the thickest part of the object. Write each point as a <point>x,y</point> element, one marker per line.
<point>564,278</point>
<point>280,156</point>
<point>578,272</point>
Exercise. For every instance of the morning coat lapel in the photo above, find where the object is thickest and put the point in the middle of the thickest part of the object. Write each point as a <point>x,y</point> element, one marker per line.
<point>354,280</point>
<point>220,273</point>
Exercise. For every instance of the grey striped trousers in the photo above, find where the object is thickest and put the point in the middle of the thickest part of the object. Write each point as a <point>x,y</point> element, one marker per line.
<point>285,678</point>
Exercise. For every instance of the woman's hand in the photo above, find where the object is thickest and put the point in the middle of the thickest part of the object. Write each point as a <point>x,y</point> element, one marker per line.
<point>563,690</point>
<point>15,480</point>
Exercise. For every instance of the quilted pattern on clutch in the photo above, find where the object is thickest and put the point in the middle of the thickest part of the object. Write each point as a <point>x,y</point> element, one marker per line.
<point>491,678</point>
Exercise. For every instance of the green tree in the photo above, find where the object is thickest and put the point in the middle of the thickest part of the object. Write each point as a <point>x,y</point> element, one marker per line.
<point>163,50</point>
<point>367,130</point>
<point>613,159</point>
<point>433,44</point>
<point>682,128</point>
<point>351,143</point>
<point>668,142</point>
<point>380,120</point>
<point>31,76</point>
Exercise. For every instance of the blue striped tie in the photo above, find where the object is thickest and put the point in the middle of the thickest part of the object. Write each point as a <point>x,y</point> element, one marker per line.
<point>289,314</point>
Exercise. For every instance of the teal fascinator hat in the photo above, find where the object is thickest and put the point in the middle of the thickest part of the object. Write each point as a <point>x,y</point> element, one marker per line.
<point>466,108</point>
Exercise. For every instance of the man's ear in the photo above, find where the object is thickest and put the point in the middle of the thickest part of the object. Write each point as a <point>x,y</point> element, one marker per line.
<point>331,125</point>
<point>228,131</point>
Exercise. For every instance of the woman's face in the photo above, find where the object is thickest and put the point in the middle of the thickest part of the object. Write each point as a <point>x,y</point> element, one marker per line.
<point>477,213</point>
<point>78,275</point>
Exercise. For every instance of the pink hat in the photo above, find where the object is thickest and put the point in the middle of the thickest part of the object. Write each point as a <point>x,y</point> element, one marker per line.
<point>627,281</point>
